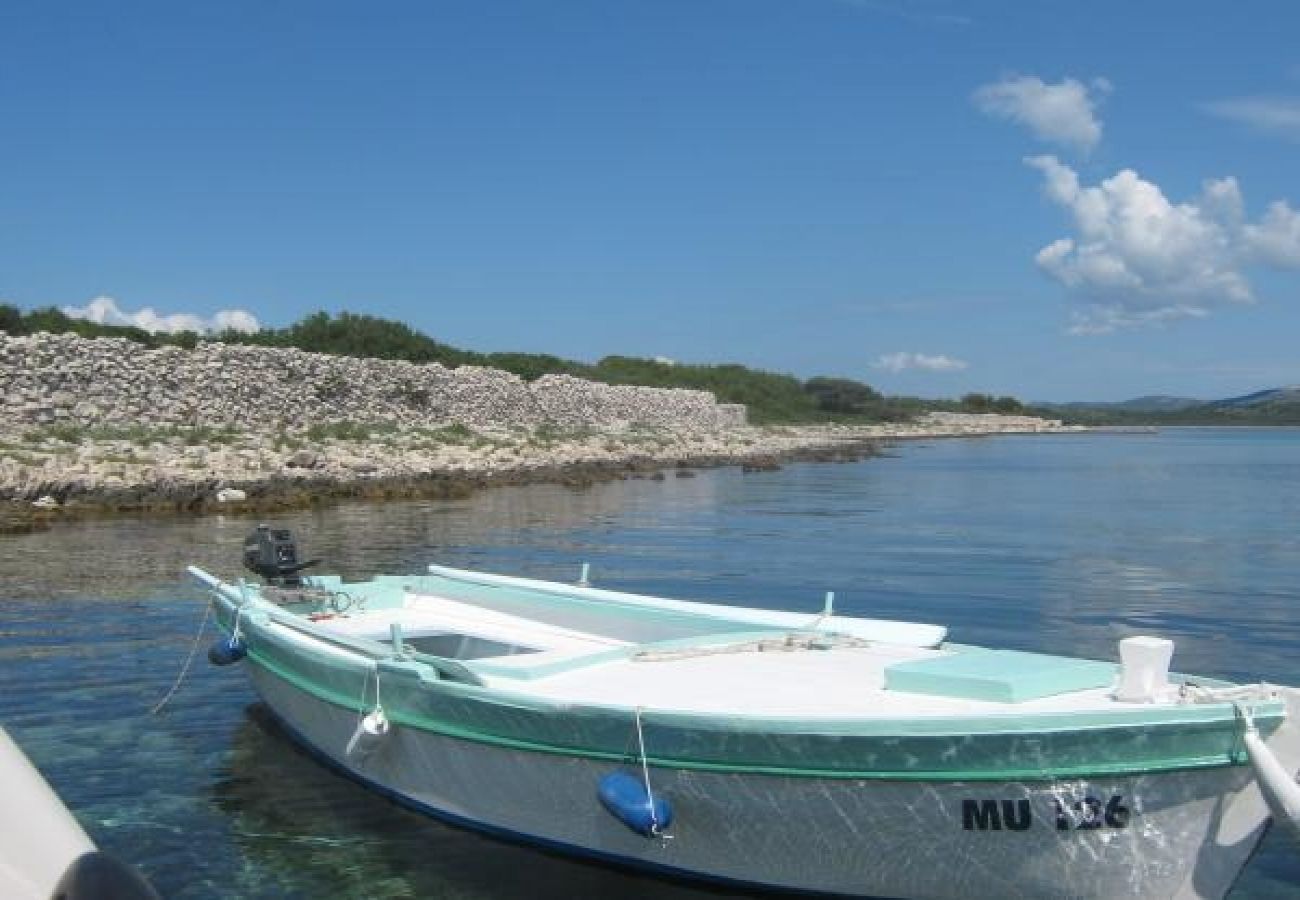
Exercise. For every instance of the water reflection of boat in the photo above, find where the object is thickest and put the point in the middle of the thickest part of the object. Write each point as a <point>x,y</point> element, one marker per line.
<point>752,746</point>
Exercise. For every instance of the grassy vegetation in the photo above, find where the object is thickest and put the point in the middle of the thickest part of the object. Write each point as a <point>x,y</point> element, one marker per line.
<point>348,431</point>
<point>456,433</point>
<point>285,441</point>
<point>18,456</point>
<point>140,435</point>
<point>384,431</point>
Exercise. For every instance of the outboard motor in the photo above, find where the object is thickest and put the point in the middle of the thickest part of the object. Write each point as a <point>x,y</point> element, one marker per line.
<point>272,553</point>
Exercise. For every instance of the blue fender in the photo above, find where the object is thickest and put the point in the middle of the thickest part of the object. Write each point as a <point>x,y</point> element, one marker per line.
<point>227,650</point>
<point>625,797</point>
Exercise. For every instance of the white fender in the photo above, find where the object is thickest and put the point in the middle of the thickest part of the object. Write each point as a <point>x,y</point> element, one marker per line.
<point>369,736</point>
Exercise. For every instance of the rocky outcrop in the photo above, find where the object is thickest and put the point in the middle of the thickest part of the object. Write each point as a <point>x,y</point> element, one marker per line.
<point>54,474</point>
<point>64,379</point>
<point>988,423</point>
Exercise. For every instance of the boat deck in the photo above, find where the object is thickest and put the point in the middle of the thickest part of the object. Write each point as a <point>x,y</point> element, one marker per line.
<point>816,673</point>
<point>803,683</point>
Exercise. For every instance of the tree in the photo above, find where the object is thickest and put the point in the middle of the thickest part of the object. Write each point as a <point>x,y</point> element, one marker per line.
<point>844,395</point>
<point>11,320</point>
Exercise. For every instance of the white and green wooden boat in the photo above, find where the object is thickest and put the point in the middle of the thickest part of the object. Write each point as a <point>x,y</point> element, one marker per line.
<point>810,752</point>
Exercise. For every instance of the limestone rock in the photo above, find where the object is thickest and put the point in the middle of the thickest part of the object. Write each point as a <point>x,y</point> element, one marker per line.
<point>304,459</point>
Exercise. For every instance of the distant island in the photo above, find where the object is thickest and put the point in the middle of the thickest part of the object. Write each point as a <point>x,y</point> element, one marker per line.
<point>770,397</point>
<point>1275,406</point>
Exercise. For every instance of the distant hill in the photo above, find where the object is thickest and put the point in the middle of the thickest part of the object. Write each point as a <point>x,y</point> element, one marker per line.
<point>1158,403</point>
<point>1274,397</point>
<point>1149,403</point>
<point>1275,406</point>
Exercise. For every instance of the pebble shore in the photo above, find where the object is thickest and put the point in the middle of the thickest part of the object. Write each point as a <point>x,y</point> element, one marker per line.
<point>57,473</point>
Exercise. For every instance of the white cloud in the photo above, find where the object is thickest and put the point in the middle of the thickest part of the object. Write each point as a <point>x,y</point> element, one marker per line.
<point>897,362</point>
<point>1269,115</point>
<point>1136,258</point>
<point>105,311</point>
<point>1062,113</point>
<point>1276,239</point>
<point>236,319</point>
<point>1101,318</point>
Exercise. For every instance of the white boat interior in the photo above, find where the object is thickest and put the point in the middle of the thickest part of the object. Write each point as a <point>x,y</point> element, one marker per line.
<point>611,649</point>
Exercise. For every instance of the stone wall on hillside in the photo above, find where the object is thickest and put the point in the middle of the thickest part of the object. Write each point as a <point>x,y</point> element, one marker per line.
<point>64,379</point>
<point>989,422</point>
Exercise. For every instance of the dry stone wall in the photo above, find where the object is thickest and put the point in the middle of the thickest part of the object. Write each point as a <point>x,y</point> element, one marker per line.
<point>988,423</point>
<point>65,379</point>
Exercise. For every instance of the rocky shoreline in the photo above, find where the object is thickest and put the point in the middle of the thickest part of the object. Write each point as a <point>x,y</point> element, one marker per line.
<point>59,473</point>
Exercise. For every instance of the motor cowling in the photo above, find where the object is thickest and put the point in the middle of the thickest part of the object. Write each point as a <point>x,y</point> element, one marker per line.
<point>273,554</point>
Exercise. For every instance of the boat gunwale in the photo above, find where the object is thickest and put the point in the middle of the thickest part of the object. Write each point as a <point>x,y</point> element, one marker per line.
<point>1055,774</point>
<point>297,635</point>
<point>631,604</point>
<point>1013,722</point>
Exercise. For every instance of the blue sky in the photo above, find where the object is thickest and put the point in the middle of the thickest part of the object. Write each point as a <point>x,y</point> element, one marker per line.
<point>1053,200</point>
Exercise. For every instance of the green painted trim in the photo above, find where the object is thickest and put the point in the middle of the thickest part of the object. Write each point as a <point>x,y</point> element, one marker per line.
<point>445,729</point>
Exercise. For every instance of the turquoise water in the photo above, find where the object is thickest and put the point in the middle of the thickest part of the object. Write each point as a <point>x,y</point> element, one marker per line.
<point>1062,543</point>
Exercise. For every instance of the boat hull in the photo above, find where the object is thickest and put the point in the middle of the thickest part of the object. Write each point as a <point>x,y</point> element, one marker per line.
<point>1183,833</point>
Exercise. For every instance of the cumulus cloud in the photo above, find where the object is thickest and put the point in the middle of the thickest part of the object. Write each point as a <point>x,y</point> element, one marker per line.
<point>105,311</point>
<point>1275,240</point>
<point>1137,258</point>
<point>1278,116</point>
<point>1063,113</point>
<point>897,362</point>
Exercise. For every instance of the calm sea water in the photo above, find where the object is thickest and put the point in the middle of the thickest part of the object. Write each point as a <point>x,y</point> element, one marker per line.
<point>1055,543</point>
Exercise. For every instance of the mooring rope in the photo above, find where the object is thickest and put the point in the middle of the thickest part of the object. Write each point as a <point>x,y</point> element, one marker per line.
<point>189,660</point>
<point>794,641</point>
<point>365,692</point>
<point>1190,692</point>
<point>645,776</point>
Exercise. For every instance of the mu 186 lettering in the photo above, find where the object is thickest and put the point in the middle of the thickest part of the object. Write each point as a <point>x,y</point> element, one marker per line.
<point>1082,814</point>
